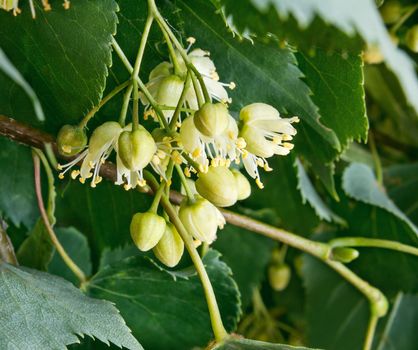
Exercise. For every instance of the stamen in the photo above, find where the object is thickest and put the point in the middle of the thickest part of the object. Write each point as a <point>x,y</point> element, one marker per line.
<point>288,145</point>
<point>66,4</point>
<point>186,172</point>
<point>196,153</point>
<point>142,183</point>
<point>61,176</point>
<point>127,187</point>
<point>259,183</point>
<point>74,174</point>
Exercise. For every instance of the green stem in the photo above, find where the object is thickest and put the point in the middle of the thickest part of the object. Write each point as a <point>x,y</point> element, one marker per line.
<point>402,20</point>
<point>371,242</point>
<point>371,329</point>
<point>60,249</point>
<point>197,90</point>
<point>125,105</point>
<point>177,69</point>
<point>141,85</point>
<point>376,160</point>
<point>183,180</point>
<point>202,83</point>
<point>215,315</point>
<point>106,99</point>
<point>157,197</point>
<point>135,105</point>
<point>182,109</point>
<point>178,109</point>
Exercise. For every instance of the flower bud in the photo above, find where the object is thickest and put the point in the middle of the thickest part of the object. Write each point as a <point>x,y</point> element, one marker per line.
<point>279,276</point>
<point>218,185</point>
<point>391,11</point>
<point>136,148</point>
<point>71,140</point>
<point>161,70</point>
<point>201,219</point>
<point>344,255</point>
<point>412,38</point>
<point>212,119</point>
<point>147,229</point>
<point>189,135</point>
<point>103,135</point>
<point>242,184</point>
<point>170,248</point>
<point>169,92</point>
<point>380,307</point>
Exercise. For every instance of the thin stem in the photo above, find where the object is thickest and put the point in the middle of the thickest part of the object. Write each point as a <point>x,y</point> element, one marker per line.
<point>376,160</point>
<point>125,105</point>
<point>215,315</point>
<point>157,198</point>
<point>183,180</point>
<point>371,242</point>
<point>135,105</point>
<point>141,85</point>
<point>177,69</point>
<point>371,329</point>
<point>7,252</point>
<point>178,109</point>
<point>197,90</point>
<point>402,20</point>
<point>65,257</point>
<point>202,83</point>
<point>104,100</point>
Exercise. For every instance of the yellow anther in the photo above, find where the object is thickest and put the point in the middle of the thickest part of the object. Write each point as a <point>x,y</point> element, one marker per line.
<point>260,163</point>
<point>127,187</point>
<point>191,40</point>
<point>82,180</point>
<point>227,163</point>
<point>287,137</point>
<point>66,4</point>
<point>214,76</point>
<point>187,172</point>
<point>176,157</point>
<point>222,162</point>
<point>294,120</point>
<point>277,140</point>
<point>259,183</point>
<point>156,160</point>
<point>98,180</point>
<point>66,148</point>
<point>244,154</point>
<point>92,184</point>
<point>178,124</point>
<point>161,154</point>
<point>91,164</point>
<point>288,145</point>
<point>59,167</point>
<point>74,174</point>
<point>203,168</point>
<point>197,243</point>
<point>196,153</point>
<point>61,176</point>
<point>142,183</point>
<point>46,5</point>
<point>237,161</point>
<point>169,182</point>
<point>214,162</point>
<point>267,168</point>
<point>241,143</point>
<point>232,85</point>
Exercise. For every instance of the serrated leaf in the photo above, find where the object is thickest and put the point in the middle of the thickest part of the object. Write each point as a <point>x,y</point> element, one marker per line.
<point>310,195</point>
<point>35,313</point>
<point>359,183</point>
<point>63,53</point>
<point>76,246</point>
<point>17,200</point>
<point>356,17</point>
<point>10,70</point>
<point>167,313</point>
<point>400,330</point>
<point>248,344</point>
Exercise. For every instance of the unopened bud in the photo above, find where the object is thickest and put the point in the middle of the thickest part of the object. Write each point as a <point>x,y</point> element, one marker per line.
<point>189,135</point>
<point>218,185</point>
<point>169,92</point>
<point>344,254</point>
<point>201,219</point>
<point>380,306</point>
<point>147,229</point>
<point>412,38</point>
<point>391,11</point>
<point>242,184</point>
<point>170,248</point>
<point>136,148</point>
<point>71,140</point>
<point>212,119</point>
<point>279,276</point>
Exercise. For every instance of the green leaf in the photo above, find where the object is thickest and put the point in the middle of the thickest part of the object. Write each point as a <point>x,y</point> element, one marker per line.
<point>63,53</point>
<point>296,18</point>
<point>359,183</point>
<point>402,185</point>
<point>41,311</point>
<point>337,314</point>
<point>248,344</point>
<point>10,70</point>
<point>18,200</point>
<point>400,330</point>
<point>247,254</point>
<point>337,88</point>
<point>77,247</point>
<point>271,68</point>
<point>166,312</point>
<point>310,195</point>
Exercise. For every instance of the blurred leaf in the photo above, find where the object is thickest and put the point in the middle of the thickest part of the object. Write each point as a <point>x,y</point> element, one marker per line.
<point>400,330</point>
<point>247,254</point>
<point>10,70</point>
<point>77,247</point>
<point>163,312</point>
<point>64,54</point>
<point>35,313</point>
<point>402,185</point>
<point>290,18</point>
<point>17,200</point>
<point>248,344</point>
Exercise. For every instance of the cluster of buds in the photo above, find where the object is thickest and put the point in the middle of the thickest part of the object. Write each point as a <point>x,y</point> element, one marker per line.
<point>13,5</point>
<point>204,141</point>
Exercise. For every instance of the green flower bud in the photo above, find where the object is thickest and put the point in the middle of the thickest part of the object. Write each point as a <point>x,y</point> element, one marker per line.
<point>391,11</point>
<point>163,69</point>
<point>380,308</point>
<point>71,140</point>
<point>189,135</point>
<point>218,185</point>
<point>201,219</point>
<point>169,91</point>
<point>136,148</point>
<point>212,119</point>
<point>344,255</point>
<point>170,248</point>
<point>279,276</point>
<point>242,184</point>
<point>147,229</point>
<point>102,135</point>
<point>412,38</point>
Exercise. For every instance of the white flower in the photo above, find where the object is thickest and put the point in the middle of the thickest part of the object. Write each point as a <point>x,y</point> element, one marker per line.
<point>266,134</point>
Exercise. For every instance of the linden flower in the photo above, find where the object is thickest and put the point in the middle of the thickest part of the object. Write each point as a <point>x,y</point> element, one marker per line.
<point>219,150</point>
<point>166,87</point>
<point>265,134</point>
